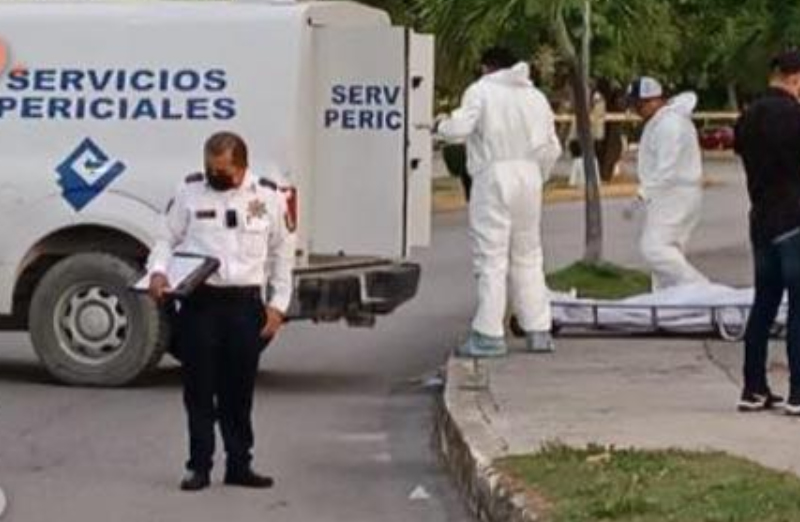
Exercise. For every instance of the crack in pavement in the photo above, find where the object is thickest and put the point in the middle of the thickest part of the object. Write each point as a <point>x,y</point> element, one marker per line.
<point>709,355</point>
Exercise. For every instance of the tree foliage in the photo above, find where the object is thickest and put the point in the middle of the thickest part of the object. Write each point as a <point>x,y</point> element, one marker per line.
<point>717,46</point>
<point>704,44</point>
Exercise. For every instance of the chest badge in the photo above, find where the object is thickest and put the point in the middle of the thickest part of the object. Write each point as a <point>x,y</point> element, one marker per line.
<point>256,209</point>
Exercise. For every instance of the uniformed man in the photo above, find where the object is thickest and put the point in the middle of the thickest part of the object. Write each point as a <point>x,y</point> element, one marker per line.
<point>241,220</point>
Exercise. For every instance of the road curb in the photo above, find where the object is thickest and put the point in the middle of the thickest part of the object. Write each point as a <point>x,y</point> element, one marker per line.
<point>489,495</point>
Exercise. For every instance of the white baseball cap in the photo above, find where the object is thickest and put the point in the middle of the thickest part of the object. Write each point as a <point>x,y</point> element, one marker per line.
<point>645,88</point>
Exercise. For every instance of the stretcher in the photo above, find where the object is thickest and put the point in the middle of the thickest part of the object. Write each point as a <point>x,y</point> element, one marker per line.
<point>705,311</point>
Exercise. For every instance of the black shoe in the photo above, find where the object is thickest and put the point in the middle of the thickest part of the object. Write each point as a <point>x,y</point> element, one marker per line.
<point>195,480</point>
<point>248,479</point>
<point>753,401</point>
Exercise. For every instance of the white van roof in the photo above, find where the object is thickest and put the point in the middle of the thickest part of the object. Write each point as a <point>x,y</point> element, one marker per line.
<point>316,13</point>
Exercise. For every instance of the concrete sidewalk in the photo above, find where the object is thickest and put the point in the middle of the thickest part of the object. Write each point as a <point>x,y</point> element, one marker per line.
<point>627,393</point>
<point>634,392</point>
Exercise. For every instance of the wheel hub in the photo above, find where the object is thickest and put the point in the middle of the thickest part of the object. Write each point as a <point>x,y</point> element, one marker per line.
<point>93,324</point>
<point>95,321</point>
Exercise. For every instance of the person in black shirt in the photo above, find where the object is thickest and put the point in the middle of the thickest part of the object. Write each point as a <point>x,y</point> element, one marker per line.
<point>768,141</point>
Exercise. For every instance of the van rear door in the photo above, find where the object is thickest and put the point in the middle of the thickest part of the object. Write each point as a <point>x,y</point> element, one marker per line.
<point>371,173</point>
<point>420,80</point>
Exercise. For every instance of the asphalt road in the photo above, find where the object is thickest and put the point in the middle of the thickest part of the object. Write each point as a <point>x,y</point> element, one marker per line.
<point>344,417</point>
<point>344,423</point>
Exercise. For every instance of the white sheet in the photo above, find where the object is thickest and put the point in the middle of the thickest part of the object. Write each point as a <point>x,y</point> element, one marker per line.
<point>692,308</point>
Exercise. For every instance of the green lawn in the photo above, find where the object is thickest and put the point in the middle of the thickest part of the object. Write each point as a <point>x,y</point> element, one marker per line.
<point>601,484</point>
<point>604,281</point>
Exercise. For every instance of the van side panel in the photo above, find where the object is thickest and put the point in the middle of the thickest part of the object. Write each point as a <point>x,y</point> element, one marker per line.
<point>118,98</point>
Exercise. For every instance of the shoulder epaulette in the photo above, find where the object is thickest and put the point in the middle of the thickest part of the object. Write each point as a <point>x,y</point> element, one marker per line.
<point>195,178</point>
<point>264,182</point>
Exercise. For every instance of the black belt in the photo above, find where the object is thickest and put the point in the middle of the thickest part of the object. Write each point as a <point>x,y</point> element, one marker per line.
<point>227,292</point>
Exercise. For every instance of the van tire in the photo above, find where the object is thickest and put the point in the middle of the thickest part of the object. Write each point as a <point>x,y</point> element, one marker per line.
<point>89,328</point>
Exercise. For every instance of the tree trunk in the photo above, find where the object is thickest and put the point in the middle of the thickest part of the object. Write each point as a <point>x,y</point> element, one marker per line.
<point>612,145</point>
<point>733,97</point>
<point>594,215</point>
<point>593,253</point>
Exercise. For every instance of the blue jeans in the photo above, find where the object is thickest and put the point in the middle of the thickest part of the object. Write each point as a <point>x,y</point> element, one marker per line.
<point>777,269</point>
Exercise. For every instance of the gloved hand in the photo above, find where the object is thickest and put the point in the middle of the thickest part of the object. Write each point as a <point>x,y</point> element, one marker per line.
<point>632,208</point>
<point>439,119</point>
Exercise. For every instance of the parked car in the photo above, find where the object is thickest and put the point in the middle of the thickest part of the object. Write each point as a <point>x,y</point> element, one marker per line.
<point>717,138</point>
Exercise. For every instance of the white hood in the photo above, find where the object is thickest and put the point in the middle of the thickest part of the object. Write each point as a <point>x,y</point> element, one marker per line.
<point>517,76</point>
<point>684,104</point>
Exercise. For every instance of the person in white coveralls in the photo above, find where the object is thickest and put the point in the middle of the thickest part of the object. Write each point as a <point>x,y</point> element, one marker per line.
<point>512,146</point>
<point>670,170</point>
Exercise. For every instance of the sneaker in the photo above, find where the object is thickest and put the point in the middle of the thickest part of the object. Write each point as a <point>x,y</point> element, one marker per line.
<point>792,406</point>
<point>540,342</point>
<point>195,480</point>
<point>248,479</point>
<point>479,345</point>
<point>752,401</point>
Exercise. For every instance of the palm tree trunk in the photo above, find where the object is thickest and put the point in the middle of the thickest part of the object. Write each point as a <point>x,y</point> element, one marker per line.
<point>593,253</point>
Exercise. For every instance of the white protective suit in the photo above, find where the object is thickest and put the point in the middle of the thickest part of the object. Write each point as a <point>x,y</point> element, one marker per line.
<point>512,147</point>
<point>670,175</point>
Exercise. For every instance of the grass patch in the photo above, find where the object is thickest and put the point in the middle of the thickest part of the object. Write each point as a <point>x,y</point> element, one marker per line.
<point>604,484</point>
<point>603,281</point>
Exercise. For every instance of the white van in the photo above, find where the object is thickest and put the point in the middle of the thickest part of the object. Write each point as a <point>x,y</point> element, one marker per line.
<point>104,108</point>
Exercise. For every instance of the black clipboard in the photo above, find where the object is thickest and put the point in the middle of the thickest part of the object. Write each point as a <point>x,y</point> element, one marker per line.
<point>185,273</point>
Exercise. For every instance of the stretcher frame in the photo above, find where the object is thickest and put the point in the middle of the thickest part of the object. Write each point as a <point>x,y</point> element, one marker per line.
<point>715,327</point>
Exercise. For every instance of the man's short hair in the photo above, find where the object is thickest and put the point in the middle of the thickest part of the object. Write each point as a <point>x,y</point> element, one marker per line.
<point>786,63</point>
<point>222,142</point>
<point>499,58</point>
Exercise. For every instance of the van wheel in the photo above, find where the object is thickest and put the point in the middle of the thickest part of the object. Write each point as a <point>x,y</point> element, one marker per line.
<point>88,328</point>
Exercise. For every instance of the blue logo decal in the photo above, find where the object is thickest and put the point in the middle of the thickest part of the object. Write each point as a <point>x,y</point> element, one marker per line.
<point>86,173</point>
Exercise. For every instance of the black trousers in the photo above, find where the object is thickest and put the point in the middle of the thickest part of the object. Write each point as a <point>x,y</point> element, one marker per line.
<point>777,270</point>
<point>218,338</point>
<point>466,183</point>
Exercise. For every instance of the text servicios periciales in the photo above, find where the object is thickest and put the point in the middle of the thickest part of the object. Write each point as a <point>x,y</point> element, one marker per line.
<point>116,94</point>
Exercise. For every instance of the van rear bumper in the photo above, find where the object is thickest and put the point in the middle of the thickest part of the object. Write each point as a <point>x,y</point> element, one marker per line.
<point>354,294</point>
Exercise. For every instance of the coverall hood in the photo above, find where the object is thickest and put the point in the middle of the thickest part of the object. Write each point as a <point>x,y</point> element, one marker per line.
<point>684,104</point>
<point>517,76</point>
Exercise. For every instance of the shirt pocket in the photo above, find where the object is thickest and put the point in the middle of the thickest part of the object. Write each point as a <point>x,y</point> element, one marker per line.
<point>254,234</point>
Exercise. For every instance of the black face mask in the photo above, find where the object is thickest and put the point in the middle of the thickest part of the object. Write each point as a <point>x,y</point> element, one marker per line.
<point>218,182</point>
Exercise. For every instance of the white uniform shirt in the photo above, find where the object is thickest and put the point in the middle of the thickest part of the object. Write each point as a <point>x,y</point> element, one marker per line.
<point>246,228</point>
